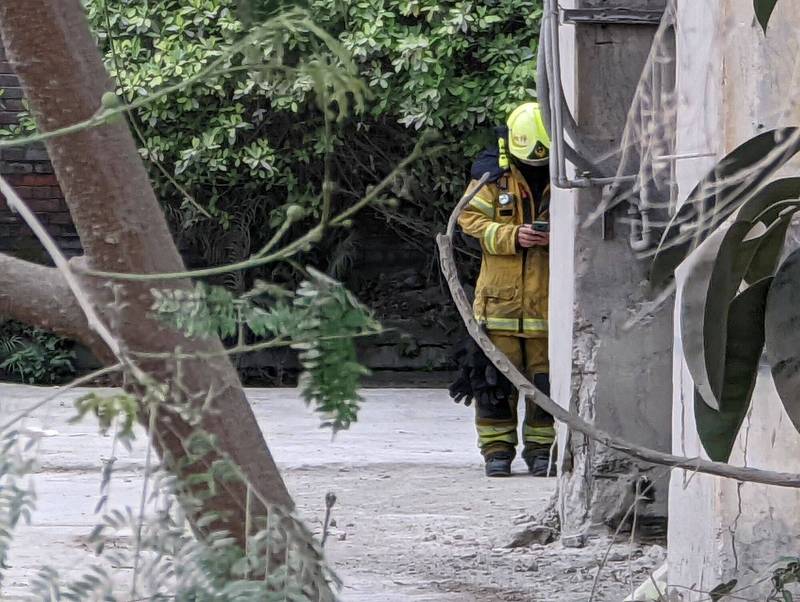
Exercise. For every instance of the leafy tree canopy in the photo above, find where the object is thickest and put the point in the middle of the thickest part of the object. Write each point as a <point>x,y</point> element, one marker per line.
<point>247,143</point>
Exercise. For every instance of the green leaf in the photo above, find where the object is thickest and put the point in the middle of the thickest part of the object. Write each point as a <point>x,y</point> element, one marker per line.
<point>720,193</point>
<point>751,246</point>
<point>717,430</point>
<point>253,11</point>
<point>695,286</point>
<point>765,258</point>
<point>762,206</point>
<point>722,590</point>
<point>763,9</point>
<point>713,276</point>
<point>782,322</point>
<point>727,273</point>
<point>745,341</point>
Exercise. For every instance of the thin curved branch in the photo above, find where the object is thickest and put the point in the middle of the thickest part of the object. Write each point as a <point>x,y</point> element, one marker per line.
<point>527,389</point>
<point>78,382</point>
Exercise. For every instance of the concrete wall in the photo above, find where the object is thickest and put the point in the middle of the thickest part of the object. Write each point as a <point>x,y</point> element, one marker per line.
<point>617,378</point>
<point>733,83</point>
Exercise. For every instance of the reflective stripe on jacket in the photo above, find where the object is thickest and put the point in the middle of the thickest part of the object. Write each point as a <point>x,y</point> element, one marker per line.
<point>511,293</point>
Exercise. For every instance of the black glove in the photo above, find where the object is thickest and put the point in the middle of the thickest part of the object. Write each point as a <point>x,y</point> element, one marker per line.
<point>477,378</point>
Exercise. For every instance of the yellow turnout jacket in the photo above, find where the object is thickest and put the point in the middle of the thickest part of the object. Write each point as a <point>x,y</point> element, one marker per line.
<point>512,289</point>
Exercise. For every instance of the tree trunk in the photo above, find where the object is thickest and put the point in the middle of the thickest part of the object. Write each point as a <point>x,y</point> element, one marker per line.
<point>122,228</point>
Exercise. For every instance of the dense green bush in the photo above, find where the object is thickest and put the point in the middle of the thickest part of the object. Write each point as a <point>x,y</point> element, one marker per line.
<point>34,356</point>
<point>247,143</point>
<point>448,65</point>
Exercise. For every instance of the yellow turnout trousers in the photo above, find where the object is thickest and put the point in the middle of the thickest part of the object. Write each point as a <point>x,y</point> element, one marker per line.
<point>497,423</point>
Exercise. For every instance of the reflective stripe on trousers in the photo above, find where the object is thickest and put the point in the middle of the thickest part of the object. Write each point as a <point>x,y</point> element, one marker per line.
<point>539,434</point>
<point>512,325</point>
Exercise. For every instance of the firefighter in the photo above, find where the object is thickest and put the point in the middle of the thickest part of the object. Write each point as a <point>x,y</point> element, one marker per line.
<point>510,218</point>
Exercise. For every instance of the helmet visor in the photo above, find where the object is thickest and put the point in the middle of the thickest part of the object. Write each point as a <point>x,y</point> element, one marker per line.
<point>535,162</point>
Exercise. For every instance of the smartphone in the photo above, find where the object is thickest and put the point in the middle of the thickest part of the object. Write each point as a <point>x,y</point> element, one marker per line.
<point>541,226</point>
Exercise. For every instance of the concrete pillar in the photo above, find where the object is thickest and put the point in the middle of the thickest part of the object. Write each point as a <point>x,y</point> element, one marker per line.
<point>619,379</point>
<point>733,83</point>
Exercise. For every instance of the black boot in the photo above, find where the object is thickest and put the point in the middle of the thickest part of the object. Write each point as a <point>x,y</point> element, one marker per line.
<point>498,464</point>
<point>537,457</point>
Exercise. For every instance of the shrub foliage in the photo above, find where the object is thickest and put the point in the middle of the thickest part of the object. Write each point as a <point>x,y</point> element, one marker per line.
<point>247,143</point>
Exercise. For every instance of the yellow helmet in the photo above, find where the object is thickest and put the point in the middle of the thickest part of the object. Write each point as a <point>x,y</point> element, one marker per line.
<point>528,139</point>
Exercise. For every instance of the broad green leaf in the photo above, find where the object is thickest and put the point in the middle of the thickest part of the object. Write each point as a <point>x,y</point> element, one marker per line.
<point>774,205</point>
<point>751,245</point>
<point>782,325</point>
<point>765,259</point>
<point>727,271</point>
<point>721,591</point>
<point>745,341</point>
<point>719,194</point>
<point>764,10</point>
<point>694,281</point>
<point>764,204</point>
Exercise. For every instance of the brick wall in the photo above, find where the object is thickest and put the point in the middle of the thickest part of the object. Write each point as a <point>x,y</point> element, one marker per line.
<point>29,170</point>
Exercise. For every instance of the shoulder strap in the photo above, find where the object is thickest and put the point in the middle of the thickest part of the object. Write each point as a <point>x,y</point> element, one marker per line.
<point>489,159</point>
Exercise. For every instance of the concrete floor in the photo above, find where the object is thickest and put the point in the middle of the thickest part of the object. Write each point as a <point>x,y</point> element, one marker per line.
<point>416,520</point>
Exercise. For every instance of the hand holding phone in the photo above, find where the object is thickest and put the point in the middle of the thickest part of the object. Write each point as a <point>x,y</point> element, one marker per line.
<point>531,236</point>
